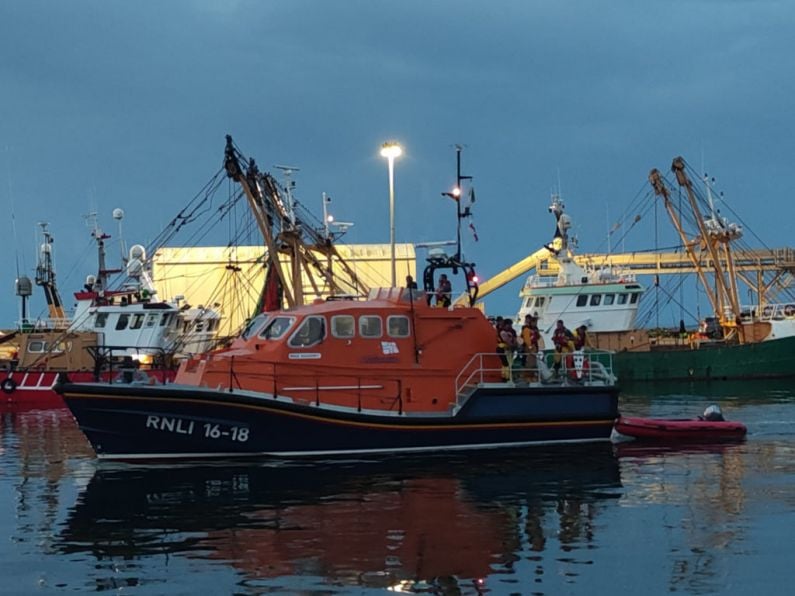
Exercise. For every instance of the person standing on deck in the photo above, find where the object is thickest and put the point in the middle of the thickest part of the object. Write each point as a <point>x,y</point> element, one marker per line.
<point>532,341</point>
<point>506,344</point>
<point>564,343</point>
<point>581,338</point>
<point>444,292</point>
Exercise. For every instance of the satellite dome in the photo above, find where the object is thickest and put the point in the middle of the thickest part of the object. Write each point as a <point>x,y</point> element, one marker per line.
<point>24,286</point>
<point>137,252</point>
<point>118,213</point>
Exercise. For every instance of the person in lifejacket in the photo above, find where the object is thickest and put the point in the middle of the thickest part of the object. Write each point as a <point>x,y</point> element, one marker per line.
<point>563,339</point>
<point>532,343</point>
<point>506,344</point>
<point>444,292</point>
<point>581,339</point>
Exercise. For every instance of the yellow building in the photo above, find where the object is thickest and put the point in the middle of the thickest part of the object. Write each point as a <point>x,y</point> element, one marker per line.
<point>231,278</point>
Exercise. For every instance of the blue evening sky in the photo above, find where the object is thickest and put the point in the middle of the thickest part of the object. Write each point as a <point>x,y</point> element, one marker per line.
<point>108,104</point>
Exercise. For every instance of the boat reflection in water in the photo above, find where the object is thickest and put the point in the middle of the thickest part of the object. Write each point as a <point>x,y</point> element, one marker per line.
<point>444,522</point>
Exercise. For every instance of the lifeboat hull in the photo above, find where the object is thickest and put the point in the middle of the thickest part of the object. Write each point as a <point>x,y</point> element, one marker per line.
<point>672,430</point>
<point>175,421</point>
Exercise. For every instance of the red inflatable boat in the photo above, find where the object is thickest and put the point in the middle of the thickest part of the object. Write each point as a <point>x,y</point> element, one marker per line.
<point>684,430</point>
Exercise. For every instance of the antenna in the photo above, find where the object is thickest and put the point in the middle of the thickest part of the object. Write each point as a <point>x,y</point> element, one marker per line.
<point>328,220</point>
<point>289,185</point>
<point>118,215</point>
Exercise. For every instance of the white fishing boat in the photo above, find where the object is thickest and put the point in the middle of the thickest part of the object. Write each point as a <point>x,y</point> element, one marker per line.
<point>604,298</point>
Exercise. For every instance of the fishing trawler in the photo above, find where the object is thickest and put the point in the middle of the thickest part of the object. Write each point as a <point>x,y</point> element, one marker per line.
<point>603,299</point>
<point>114,332</point>
<point>738,341</point>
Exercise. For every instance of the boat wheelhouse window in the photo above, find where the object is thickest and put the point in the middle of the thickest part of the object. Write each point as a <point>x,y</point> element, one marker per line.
<point>36,346</point>
<point>166,319</point>
<point>122,322</point>
<point>102,318</point>
<point>397,326</point>
<point>582,300</point>
<point>370,326</point>
<point>343,326</point>
<point>151,320</point>
<point>137,321</point>
<point>310,332</point>
<point>540,301</point>
<point>277,327</point>
<point>609,299</point>
<point>634,298</point>
<point>622,298</point>
<point>529,302</point>
<point>596,299</point>
<point>254,325</point>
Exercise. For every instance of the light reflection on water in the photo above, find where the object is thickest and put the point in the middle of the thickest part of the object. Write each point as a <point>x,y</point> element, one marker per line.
<point>572,519</point>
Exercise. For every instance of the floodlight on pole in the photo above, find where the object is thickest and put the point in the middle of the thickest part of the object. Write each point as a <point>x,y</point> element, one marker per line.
<point>391,150</point>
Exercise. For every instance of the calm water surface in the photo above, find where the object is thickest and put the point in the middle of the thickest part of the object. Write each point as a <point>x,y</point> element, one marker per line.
<point>589,519</point>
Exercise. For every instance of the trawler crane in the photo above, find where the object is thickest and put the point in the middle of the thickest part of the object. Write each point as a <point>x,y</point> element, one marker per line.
<point>285,233</point>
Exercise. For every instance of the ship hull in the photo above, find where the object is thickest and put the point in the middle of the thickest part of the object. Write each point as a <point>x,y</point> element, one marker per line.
<point>763,360</point>
<point>35,389</point>
<point>129,422</point>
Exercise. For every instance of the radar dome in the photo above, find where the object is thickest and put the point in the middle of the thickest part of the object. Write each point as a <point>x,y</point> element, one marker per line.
<point>24,286</point>
<point>118,213</point>
<point>137,252</point>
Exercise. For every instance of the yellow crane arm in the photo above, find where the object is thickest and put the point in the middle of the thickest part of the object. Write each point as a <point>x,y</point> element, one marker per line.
<point>508,275</point>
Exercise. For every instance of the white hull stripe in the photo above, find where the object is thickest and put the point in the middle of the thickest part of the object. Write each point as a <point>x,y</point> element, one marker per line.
<point>199,455</point>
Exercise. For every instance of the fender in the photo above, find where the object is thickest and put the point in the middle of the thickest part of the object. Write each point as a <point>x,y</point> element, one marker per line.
<point>8,385</point>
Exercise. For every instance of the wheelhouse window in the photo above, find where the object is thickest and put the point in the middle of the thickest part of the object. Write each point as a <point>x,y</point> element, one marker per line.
<point>529,302</point>
<point>343,326</point>
<point>370,326</point>
<point>151,320</point>
<point>137,321</point>
<point>166,319</point>
<point>311,331</point>
<point>277,328</point>
<point>596,299</point>
<point>122,322</point>
<point>102,318</point>
<point>397,326</point>
<point>582,300</point>
<point>622,298</point>
<point>540,301</point>
<point>36,347</point>
<point>254,326</point>
<point>634,298</point>
<point>609,299</point>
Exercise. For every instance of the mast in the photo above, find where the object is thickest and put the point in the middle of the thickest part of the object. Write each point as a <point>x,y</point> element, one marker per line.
<point>456,261</point>
<point>45,276</point>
